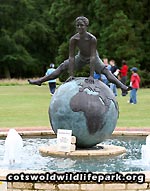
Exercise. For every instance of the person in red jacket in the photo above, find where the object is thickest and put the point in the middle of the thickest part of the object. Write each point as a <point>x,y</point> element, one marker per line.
<point>123,75</point>
<point>135,84</point>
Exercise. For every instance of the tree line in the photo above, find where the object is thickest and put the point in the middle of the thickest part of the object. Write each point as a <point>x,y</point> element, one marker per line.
<point>35,33</point>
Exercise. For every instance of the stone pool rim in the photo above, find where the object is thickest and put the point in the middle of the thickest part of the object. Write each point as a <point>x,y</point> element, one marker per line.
<point>78,186</point>
<point>34,133</point>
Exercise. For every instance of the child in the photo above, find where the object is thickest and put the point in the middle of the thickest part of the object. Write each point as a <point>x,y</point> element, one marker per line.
<point>86,43</point>
<point>134,83</point>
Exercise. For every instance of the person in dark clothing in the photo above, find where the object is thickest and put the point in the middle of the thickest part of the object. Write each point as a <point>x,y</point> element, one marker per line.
<point>113,70</point>
<point>123,75</point>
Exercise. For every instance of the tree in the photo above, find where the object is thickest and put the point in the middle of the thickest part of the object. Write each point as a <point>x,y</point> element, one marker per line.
<point>26,38</point>
<point>120,41</point>
<point>35,32</point>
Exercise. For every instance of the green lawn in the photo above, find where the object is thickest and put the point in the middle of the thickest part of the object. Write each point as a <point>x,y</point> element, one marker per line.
<point>27,106</point>
<point>136,115</point>
<point>24,106</point>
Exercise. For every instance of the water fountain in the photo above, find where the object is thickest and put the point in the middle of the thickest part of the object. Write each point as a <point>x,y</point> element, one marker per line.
<point>129,161</point>
<point>146,151</point>
<point>13,148</point>
<point>61,164</point>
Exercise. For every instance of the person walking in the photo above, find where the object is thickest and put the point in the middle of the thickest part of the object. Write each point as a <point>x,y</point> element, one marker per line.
<point>123,75</point>
<point>114,70</point>
<point>51,83</point>
<point>135,84</point>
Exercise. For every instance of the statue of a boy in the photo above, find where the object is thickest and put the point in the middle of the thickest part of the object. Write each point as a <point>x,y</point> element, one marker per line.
<point>86,43</point>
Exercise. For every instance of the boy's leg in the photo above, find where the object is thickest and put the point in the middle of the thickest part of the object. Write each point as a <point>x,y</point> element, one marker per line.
<point>52,76</point>
<point>123,80</point>
<point>131,95</point>
<point>113,88</point>
<point>101,68</point>
<point>53,87</point>
<point>114,80</point>
<point>134,91</point>
<point>49,87</point>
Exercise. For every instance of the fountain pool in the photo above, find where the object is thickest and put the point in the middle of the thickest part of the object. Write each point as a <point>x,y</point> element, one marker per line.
<point>31,159</point>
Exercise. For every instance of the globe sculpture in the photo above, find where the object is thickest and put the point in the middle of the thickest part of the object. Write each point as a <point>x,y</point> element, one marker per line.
<point>90,110</point>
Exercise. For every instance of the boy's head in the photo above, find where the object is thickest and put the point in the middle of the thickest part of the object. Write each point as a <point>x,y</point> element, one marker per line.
<point>51,65</point>
<point>105,60</point>
<point>134,69</point>
<point>83,19</point>
<point>112,62</point>
<point>124,62</point>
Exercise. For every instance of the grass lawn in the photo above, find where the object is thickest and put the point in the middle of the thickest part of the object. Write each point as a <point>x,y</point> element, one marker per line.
<point>24,106</point>
<point>134,115</point>
<point>27,106</point>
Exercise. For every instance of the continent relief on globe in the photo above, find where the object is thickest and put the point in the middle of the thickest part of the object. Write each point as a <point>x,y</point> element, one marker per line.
<point>94,105</point>
<point>90,110</point>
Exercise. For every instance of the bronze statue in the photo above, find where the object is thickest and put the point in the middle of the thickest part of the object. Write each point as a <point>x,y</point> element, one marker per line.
<point>86,43</point>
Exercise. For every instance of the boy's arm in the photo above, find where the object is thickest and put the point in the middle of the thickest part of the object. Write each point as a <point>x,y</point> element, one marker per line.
<point>92,60</point>
<point>71,57</point>
<point>93,56</point>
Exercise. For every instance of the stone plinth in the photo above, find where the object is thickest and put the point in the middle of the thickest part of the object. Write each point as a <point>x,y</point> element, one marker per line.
<point>99,150</point>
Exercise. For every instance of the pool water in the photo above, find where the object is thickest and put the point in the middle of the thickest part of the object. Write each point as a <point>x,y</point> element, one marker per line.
<point>31,159</point>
